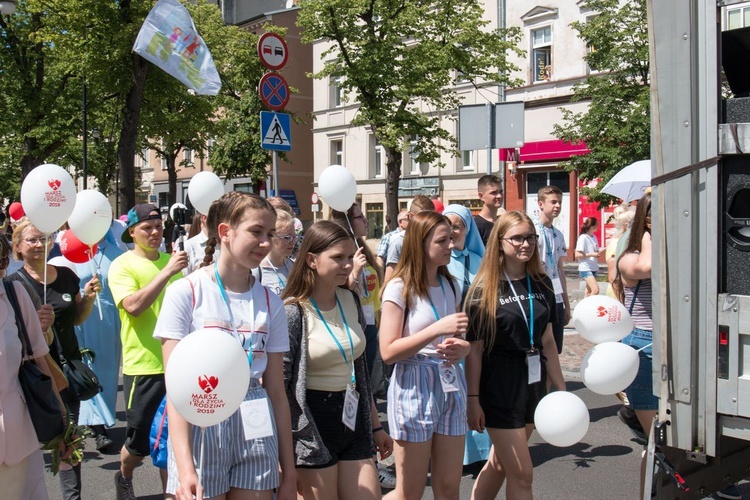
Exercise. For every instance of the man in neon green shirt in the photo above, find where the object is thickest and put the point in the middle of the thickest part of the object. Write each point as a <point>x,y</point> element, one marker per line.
<point>137,280</point>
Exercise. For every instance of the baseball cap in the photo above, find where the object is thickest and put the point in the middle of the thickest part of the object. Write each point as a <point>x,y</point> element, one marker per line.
<point>136,215</point>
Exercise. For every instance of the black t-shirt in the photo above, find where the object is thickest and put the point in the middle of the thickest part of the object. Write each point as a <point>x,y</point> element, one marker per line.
<point>512,334</point>
<point>61,295</point>
<point>485,228</point>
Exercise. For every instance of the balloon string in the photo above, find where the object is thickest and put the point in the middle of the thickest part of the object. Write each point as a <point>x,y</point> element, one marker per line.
<point>94,273</point>
<point>200,464</point>
<point>644,347</point>
<point>46,254</point>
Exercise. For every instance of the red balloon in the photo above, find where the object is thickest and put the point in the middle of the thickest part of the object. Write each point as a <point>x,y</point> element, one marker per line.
<point>74,249</point>
<point>15,210</point>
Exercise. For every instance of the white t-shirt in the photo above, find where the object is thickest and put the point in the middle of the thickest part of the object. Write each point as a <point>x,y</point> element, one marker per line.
<point>195,302</point>
<point>587,244</point>
<point>421,314</point>
<point>551,248</point>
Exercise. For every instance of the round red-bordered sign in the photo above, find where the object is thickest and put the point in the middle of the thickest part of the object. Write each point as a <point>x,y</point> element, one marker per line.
<point>274,91</point>
<point>314,197</point>
<point>272,51</point>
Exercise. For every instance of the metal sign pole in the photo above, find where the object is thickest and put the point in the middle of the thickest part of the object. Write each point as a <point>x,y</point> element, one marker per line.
<point>275,173</point>
<point>490,136</point>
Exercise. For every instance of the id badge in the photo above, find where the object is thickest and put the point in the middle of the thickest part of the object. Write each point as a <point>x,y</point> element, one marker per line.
<point>557,285</point>
<point>448,377</point>
<point>369,312</point>
<point>533,361</point>
<point>256,419</point>
<point>351,404</point>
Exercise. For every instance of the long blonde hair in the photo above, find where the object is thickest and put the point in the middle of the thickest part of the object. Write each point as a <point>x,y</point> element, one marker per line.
<point>412,265</point>
<point>489,283</point>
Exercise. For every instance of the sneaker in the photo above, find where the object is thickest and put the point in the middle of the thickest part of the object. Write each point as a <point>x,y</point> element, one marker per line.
<point>124,488</point>
<point>102,442</point>
<point>731,492</point>
<point>386,477</point>
<point>627,416</point>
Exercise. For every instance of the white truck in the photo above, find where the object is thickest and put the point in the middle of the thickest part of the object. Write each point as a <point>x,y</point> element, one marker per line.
<point>701,232</point>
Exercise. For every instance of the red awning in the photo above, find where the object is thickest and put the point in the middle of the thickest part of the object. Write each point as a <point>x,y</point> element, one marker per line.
<point>547,150</point>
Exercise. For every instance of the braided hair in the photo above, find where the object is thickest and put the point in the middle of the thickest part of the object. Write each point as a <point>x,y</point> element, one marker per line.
<point>229,209</point>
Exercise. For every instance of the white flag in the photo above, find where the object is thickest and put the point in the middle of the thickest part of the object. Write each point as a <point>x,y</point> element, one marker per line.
<point>168,39</point>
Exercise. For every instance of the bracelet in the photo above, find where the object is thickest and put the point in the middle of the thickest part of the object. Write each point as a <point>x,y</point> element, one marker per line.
<point>377,429</point>
<point>472,395</point>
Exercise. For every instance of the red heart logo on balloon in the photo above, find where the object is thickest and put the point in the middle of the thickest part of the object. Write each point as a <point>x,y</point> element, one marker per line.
<point>601,311</point>
<point>54,184</point>
<point>208,384</point>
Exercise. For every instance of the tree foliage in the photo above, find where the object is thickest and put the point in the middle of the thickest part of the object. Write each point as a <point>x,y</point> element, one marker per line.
<point>398,60</point>
<point>616,126</point>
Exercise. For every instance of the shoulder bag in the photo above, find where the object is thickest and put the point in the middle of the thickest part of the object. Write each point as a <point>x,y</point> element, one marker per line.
<point>38,391</point>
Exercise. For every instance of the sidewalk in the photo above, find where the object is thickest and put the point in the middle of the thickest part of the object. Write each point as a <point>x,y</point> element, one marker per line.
<point>575,347</point>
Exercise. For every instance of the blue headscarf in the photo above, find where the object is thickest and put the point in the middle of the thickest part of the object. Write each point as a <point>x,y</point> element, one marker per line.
<point>473,239</point>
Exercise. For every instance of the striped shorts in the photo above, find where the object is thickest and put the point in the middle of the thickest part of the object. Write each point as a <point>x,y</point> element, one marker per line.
<point>417,405</point>
<point>229,461</point>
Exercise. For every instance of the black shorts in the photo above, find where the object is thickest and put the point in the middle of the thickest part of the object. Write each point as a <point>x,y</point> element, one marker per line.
<point>342,443</point>
<point>507,400</point>
<point>558,328</point>
<point>143,395</point>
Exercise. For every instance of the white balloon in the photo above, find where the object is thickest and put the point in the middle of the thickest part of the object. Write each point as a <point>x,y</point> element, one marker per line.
<point>337,187</point>
<point>91,216</point>
<point>561,418</point>
<point>599,318</point>
<point>609,367</point>
<point>207,377</point>
<point>48,196</point>
<point>204,189</point>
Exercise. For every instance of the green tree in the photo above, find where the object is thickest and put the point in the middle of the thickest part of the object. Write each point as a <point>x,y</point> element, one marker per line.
<point>616,127</point>
<point>398,58</point>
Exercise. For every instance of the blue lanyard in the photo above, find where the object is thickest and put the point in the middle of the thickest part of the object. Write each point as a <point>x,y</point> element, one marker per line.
<point>432,304</point>
<point>231,316</point>
<point>348,334</point>
<point>530,294</point>
<point>549,252</point>
<point>278,276</point>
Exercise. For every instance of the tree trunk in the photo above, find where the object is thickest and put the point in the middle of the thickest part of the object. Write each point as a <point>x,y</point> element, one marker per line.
<point>393,164</point>
<point>129,133</point>
<point>30,159</point>
<point>172,178</point>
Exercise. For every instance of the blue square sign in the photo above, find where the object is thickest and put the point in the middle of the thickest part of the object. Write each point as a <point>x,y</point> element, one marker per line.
<point>275,131</point>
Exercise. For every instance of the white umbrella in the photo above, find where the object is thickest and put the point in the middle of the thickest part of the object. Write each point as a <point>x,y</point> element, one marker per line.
<point>631,182</point>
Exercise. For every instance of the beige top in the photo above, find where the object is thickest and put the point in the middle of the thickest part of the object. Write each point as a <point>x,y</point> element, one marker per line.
<point>326,368</point>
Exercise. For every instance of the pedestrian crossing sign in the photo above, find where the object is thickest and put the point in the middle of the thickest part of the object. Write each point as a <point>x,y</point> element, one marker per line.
<point>275,131</point>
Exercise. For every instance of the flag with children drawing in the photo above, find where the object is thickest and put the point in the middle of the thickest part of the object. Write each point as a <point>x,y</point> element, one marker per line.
<point>168,39</point>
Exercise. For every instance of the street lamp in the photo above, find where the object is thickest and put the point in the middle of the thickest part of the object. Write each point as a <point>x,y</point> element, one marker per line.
<point>7,7</point>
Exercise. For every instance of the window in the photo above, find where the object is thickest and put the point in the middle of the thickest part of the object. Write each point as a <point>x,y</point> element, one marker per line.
<point>410,163</point>
<point>590,49</point>
<point>738,18</point>
<point>377,158</point>
<point>163,200</point>
<point>337,152</point>
<point>337,92</point>
<point>374,220</point>
<point>474,205</point>
<point>188,156</point>
<point>467,160</point>
<point>537,180</point>
<point>244,187</point>
<point>163,163</point>
<point>541,54</point>
<point>146,164</point>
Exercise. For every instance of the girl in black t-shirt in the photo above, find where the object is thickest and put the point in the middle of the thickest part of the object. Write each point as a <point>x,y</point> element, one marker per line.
<point>511,308</point>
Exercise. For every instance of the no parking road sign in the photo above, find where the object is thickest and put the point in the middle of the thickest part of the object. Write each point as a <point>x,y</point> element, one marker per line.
<point>273,91</point>
<point>275,131</point>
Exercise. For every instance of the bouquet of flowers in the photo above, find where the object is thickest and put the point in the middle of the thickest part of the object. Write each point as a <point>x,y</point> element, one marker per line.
<point>68,446</point>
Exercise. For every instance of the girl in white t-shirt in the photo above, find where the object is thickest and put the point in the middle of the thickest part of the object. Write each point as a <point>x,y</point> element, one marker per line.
<point>587,252</point>
<point>224,296</point>
<point>422,332</point>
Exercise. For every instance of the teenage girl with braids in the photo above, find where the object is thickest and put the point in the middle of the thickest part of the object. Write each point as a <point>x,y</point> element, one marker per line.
<point>225,297</point>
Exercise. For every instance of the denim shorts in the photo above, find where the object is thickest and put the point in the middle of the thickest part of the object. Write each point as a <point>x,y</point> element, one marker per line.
<point>641,393</point>
<point>586,274</point>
